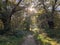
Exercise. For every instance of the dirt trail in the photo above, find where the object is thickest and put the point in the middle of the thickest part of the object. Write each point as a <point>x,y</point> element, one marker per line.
<point>29,40</point>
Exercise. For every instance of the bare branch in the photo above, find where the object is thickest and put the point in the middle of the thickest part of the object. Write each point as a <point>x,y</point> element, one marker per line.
<point>13,10</point>
<point>42,1</point>
<point>56,1</point>
<point>53,7</point>
<point>21,8</point>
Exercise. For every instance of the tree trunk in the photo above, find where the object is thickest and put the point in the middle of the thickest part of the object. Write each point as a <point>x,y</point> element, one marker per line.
<point>51,24</point>
<point>50,21</point>
<point>7,25</point>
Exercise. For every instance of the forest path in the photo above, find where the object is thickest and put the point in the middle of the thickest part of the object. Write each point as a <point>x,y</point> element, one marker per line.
<point>29,40</point>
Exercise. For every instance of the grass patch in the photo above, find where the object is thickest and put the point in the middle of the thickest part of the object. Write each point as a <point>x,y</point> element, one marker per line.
<point>12,40</point>
<point>45,40</point>
<point>9,40</point>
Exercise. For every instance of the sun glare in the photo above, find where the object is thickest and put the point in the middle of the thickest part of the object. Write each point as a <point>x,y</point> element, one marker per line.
<point>31,9</point>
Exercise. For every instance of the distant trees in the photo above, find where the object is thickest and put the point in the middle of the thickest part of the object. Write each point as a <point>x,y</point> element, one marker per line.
<point>46,13</point>
<point>50,8</point>
<point>48,19</point>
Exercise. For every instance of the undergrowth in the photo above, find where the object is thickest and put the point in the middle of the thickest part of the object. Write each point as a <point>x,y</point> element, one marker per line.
<point>45,40</point>
<point>12,40</point>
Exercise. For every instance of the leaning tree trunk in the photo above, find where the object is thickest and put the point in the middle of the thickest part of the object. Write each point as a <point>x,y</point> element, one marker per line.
<point>7,25</point>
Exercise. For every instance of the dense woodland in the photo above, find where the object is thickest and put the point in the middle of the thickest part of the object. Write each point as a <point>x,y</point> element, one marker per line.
<point>19,18</point>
